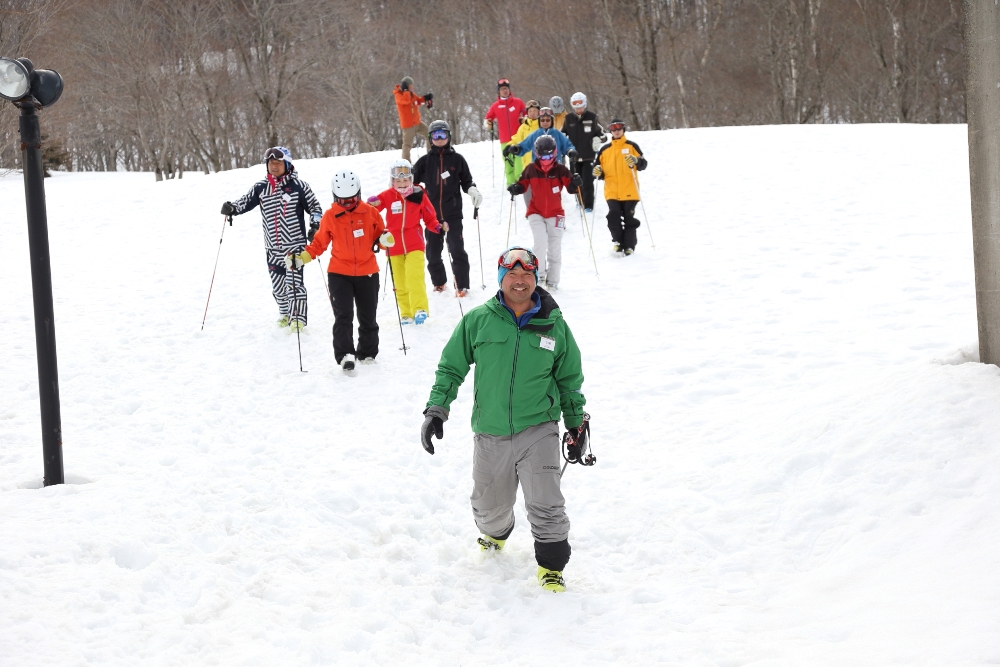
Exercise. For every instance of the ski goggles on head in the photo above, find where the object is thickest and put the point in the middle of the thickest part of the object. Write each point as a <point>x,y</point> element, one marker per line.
<point>614,127</point>
<point>521,256</point>
<point>273,154</point>
<point>545,112</point>
<point>503,82</point>
<point>438,135</point>
<point>532,104</point>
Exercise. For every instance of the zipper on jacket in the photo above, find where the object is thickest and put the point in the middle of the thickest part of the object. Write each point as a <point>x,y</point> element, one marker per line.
<point>441,188</point>
<point>402,227</point>
<point>513,373</point>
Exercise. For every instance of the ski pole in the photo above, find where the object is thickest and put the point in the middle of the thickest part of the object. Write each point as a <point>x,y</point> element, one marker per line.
<point>295,312</point>
<point>479,235</point>
<point>509,219</point>
<point>451,262</point>
<point>493,159</point>
<point>225,218</point>
<point>326,284</point>
<point>589,236</point>
<point>385,286</point>
<point>635,179</point>
<point>399,315</point>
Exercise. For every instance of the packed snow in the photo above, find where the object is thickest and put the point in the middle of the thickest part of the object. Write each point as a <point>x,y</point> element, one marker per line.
<point>797,447</point>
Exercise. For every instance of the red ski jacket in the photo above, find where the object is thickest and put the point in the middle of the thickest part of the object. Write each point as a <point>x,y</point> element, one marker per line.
<point>403,216</point>
<point>546,189</point>
<point>506,116</point>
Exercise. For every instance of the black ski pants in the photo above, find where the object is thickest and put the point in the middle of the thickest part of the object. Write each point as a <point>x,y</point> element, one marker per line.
<point>586,171</point>
<point>622,222</point>
<point>345,292</point>
<point>459,258</point>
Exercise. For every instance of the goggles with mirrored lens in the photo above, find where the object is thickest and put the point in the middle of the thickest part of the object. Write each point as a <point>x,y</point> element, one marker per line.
<point>503,82</point>
<point>402,172</point>
<point>349,203</point>
<point>546,157</point>
<point>523,256</point>
<point>438,135</point>
<point>273,154</point>
<point>614,127</point>
<point>578,103</point>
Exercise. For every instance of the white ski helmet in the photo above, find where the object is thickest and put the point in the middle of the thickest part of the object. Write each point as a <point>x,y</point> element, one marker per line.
<point>556,104</point>
<point>401,169</point>
<point>346,185</point>
<point>578,100</point>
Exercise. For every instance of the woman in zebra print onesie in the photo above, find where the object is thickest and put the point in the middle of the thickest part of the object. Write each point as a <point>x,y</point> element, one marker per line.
<point>283,199</point>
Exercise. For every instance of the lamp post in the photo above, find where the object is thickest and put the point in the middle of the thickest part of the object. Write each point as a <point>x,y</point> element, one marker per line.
<point>30,90</point>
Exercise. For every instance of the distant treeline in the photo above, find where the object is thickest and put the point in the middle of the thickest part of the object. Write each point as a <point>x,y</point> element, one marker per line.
<point>208,84</point>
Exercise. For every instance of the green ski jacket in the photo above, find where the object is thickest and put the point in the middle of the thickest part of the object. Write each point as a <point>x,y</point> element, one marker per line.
<point>524,375</point>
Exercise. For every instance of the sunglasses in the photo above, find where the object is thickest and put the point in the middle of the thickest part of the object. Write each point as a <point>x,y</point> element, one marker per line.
<point>521,256</point>
<point>437,135</point>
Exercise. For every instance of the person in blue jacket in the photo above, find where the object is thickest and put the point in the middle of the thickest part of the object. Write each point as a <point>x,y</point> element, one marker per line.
<point>545,126</point>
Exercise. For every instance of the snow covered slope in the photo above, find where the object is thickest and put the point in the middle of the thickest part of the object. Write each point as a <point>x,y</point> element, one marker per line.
<point>797,451</point>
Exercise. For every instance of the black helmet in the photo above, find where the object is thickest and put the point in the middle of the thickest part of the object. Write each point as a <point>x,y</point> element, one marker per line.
<point>439,125</point>
<point>545,145</point>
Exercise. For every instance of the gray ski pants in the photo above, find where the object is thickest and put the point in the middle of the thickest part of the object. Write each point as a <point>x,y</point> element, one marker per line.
<point>531,457</point>
<point>548,246</point>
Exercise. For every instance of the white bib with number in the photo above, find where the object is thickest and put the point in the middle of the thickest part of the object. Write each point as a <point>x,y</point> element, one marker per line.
<point>397,207</point>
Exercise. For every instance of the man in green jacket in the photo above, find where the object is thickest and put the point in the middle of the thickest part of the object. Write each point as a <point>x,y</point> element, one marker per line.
<point>528,372</point>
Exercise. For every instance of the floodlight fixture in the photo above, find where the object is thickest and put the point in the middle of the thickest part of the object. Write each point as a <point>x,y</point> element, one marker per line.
<point>20,82</point>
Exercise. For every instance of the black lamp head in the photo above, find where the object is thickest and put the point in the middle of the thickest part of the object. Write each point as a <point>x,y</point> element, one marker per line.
<point>19,80</point>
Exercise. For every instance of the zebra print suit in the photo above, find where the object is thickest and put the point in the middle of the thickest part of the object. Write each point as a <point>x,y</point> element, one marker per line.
<point>283,202</point>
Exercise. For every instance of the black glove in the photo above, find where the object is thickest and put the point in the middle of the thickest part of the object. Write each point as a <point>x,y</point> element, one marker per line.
<point>515,189</point>
<point>576,181</point>
<point>228,208</point>
<point>512,149</point>
<point>428,97</point>
<point>375,247</point>
<point>641,163</point>
<point>432,425</point>
<point>571,154</point>
<point>313,228</point>
<point>575,451</point>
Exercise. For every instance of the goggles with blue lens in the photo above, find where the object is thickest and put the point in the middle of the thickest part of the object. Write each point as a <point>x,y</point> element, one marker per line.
<point>437,135</point>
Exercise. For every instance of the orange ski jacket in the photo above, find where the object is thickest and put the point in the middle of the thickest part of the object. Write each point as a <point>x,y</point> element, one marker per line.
<point>408,105</point>
<point>350,235</point>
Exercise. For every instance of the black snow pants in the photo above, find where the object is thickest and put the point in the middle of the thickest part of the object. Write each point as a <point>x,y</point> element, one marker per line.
<point>586,171</point>
<point>622,222</point>
<point>345,292</point>
<point>459,258</point>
